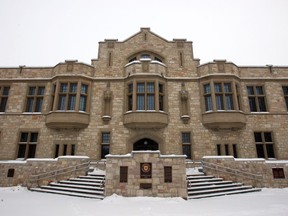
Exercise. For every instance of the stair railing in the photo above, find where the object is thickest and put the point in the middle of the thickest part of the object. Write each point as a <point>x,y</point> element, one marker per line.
<point>231,171</point>
<point>55,173</point>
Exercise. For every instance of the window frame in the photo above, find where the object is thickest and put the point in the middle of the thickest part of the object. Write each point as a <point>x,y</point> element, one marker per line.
<point>64,148</point>
<point>285,95</point>
<point>256,98</point>
<point>29,146</point>
<point>4,97</point>
<point>123,174</point>
<point>211,95</point>
<point>72,100</point>
<point>186,144</point>
<point>35,98</point>
<point>105,145</point>
<point>264,145</point>
<point>157,97</point>
<point>227,149</point>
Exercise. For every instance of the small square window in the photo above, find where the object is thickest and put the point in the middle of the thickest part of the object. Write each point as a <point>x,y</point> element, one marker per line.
<point>278,173</point>
<point>10,173</point>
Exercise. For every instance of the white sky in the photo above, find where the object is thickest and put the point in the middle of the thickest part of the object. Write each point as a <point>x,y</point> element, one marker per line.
<point>46,32</point>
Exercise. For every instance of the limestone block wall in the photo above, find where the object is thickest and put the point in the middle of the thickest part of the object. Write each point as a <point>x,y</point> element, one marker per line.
<point>176,188</point>
<point>13,172</point>
<point>225,166</point>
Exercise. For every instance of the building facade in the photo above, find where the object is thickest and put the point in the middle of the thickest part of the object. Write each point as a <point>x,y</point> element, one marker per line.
<point>144,93</point>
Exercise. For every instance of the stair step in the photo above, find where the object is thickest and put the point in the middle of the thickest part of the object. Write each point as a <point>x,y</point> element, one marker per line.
<point>76,186</point>
<point>68,193</point>
<point>200,177</point>
<point>204,180</point>
<point>219,190</point>
<point>208,183</point>
<point>92,177</point>
<point>223,194</point>
<point>86,191</point>
<point>86,180</point>
<point>81,183</point>
<point>214,186</point>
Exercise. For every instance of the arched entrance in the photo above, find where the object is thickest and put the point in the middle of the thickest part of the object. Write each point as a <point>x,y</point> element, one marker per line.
<point>145,144</point>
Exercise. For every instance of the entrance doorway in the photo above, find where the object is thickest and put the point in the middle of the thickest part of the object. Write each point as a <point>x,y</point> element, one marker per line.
<point>145,144</point>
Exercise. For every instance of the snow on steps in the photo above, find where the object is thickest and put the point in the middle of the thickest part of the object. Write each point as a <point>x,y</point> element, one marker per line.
<point>202,186</point>
<point>90,186</point>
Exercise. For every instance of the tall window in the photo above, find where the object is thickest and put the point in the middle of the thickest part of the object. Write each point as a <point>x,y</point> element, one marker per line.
<point>264,144</point>
<point>70,96</point>
<point>256,98</point>
<point>285,91</point>
<point>186,144</point>
<point>64,149</point>
<point>225,95</point>
<point>27,145</point>
<point>124,174</point>
<point>4,92</point>
<point>167,174</point>
<point>35,99</point>
<point>105,144</point>
<point>149,96</point>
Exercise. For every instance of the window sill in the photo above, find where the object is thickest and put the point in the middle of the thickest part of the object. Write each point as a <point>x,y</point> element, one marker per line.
<point>143,119</point>
<point>224,120</point>
<point>62,119</point>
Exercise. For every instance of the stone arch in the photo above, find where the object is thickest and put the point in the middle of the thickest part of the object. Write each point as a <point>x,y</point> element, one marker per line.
<point>145,135</point>
<point>153,54</point>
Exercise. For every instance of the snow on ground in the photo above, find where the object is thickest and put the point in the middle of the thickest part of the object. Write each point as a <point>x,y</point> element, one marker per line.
<point>15,201</point>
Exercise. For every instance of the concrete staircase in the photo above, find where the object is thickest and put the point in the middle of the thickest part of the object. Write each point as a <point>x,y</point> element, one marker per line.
<point>90,186</point>
<point>202,186</point>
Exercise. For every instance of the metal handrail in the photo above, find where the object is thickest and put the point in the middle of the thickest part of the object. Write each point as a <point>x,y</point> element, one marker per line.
<point>232,171</point>
<point>54,173</point>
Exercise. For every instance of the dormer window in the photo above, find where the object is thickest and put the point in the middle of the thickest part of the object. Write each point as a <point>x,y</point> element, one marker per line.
<point>145,55</point>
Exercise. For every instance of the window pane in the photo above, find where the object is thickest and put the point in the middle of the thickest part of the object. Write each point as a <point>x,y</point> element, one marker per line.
<point>83,102</point>
<point>24,137</point>
<point>3,104</point>
<point>229,102</point>
<point>63,87</point>
<point>207,89</point>
<point>64,149</point>
<point>140,102</point>
<point>62,102</point>
<point>31,151</point>
<point>39,103</point>
<point>257,137</point>
<point>41,90</point>
<point>208,103</point>
<point>270,151</point>
<point>161,88</point>
<point>104,151</point>
<point>217,87</point>
<point>186,137</point>
<point>285,90</point>
<point>226,149</point>
<point>73,87</point>
<point>262,105</point>
<point>73,146</point>
<point>218,149</point>
<point>130,102</point>
<point>6,90</point>
<point>227,87</point>
<point>32,91</point>
<point>72,102</point>
<point>250,90</point>
<point>252,104</point>
<point>161,102</point>
<point>29,105</point>
<point>187,151</point>
<point>140,87</point>
<point>106,138</point>
<point>33,137</point>
<point>21,151</point>
<point>123,174</point>
<point>84,89</point>
<point>56,150</point>
<point>150,88</point>
<point>130,88</point>
<point>259,90</point>
<point>168,174</point>
<point>150,102</point>
<point>260,151</point>
<point>219,102</point>
<point>235,150</point>
<point>268,137</point>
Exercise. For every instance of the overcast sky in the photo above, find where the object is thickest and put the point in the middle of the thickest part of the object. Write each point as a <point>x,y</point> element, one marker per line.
<point>46,32</point>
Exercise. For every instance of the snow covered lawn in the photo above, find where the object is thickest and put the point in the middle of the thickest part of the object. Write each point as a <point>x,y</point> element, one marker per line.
<point>15,201</point>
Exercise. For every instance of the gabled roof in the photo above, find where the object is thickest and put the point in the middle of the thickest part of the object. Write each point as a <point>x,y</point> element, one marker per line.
<point>145,29</point>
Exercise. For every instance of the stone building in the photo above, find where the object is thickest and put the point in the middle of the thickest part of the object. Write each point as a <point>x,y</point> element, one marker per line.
<point>144,93</point>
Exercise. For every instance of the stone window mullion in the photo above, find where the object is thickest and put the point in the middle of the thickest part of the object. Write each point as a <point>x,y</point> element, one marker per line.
<point>78,96</point>
<point>56,96</point>
<point>213,96</point>
<point>235,96</point>
<point>156,95</point>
